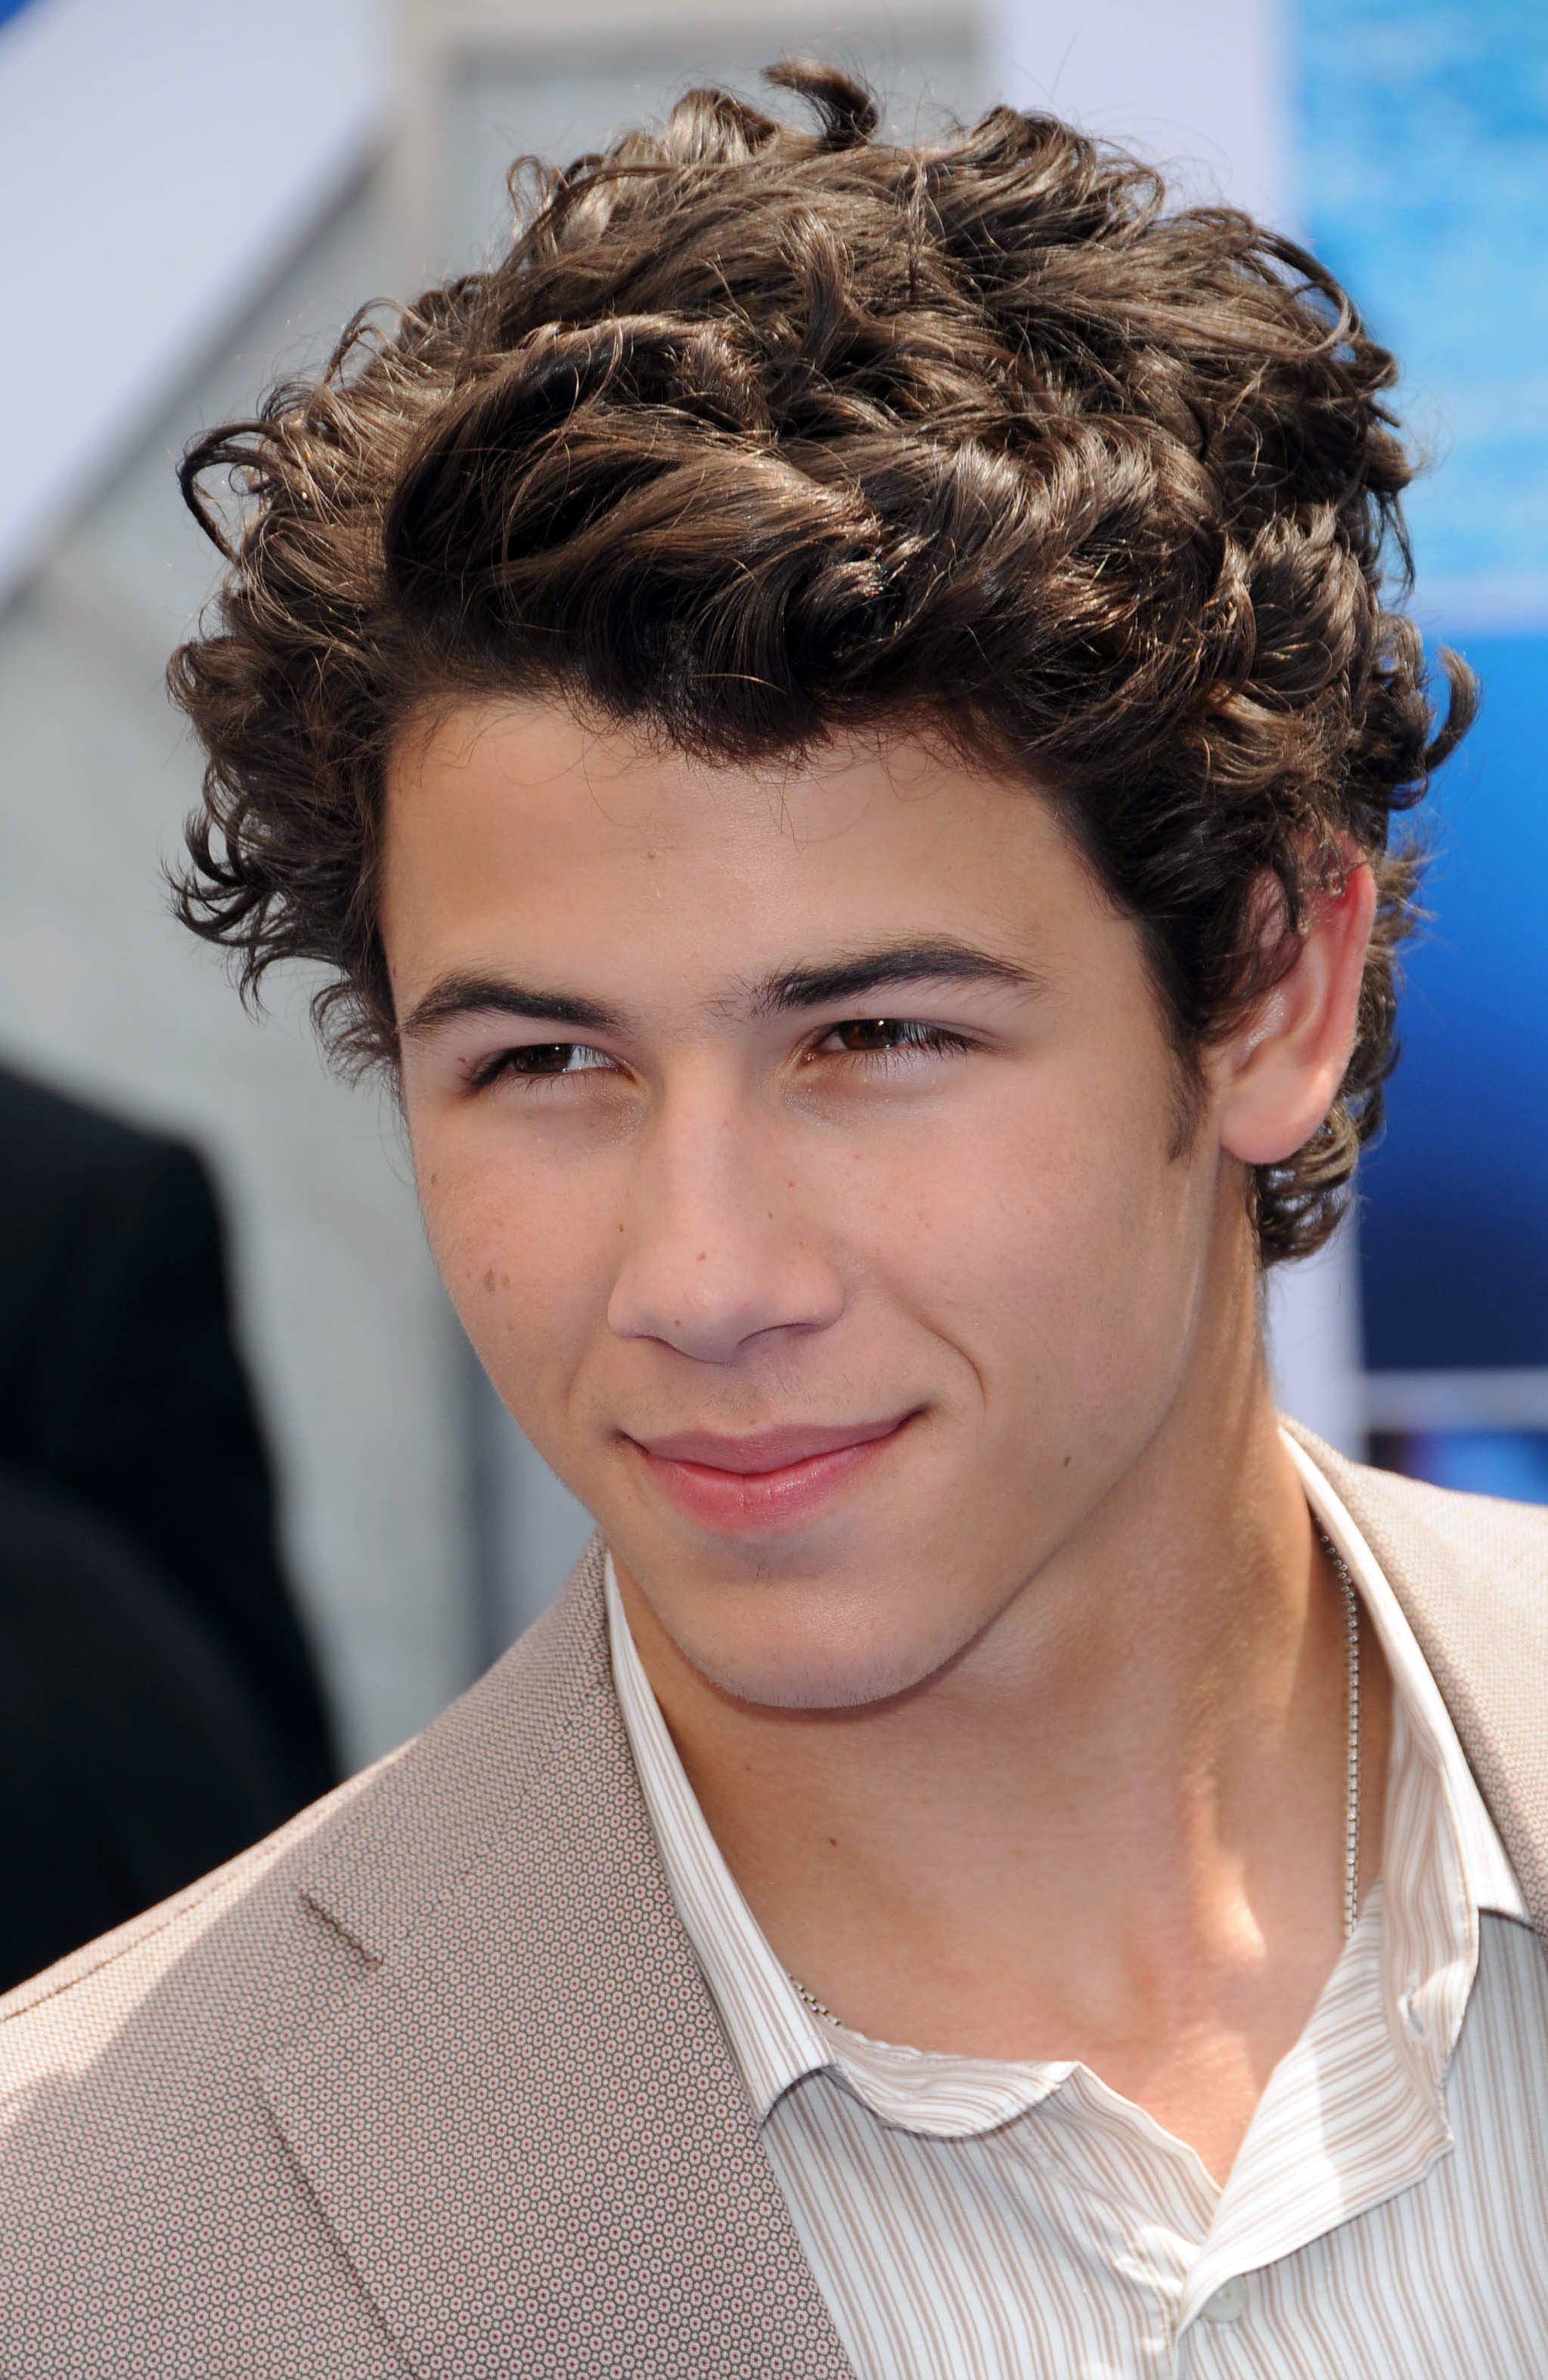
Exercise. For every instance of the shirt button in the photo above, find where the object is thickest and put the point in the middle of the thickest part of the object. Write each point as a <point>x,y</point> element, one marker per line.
<point>1229,2301</point>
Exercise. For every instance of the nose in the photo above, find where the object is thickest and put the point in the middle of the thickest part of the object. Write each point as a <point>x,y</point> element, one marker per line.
<point>715,1248</point>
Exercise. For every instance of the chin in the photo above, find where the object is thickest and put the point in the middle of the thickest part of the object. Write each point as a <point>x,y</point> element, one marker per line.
<point>841,1665</point>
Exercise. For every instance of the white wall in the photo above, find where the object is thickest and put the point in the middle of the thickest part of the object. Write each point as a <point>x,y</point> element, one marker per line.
<point>159,157</point>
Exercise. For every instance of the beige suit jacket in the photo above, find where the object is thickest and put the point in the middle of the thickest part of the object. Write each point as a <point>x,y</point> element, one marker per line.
<point>430,2083</point>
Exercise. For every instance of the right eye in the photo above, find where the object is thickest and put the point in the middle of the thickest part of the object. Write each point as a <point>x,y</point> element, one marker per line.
<point>533,1063</point>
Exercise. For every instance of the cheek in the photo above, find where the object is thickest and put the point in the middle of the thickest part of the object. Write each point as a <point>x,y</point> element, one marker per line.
<point>1064,1259</point>
<point>1134,1227</point>
<point>517,1264</point>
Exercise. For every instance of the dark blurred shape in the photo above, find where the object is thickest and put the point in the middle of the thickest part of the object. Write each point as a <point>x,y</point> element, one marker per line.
<point>123,1397</point>
<point>132,1758</point>
<point>1511,1463</point>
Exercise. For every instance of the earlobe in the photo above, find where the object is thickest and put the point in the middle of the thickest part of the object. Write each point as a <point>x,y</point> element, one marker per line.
<point>1281,1072</point>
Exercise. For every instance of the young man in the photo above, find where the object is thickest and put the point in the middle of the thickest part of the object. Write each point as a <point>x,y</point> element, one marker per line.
<point>833,718</point>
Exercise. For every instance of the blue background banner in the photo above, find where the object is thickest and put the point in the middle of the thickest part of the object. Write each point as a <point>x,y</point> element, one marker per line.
<point>1423,159</point>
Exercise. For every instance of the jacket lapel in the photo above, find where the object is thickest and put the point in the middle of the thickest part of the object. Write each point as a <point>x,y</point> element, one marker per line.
<point>524,2122</point>
<point>1472,1574</point>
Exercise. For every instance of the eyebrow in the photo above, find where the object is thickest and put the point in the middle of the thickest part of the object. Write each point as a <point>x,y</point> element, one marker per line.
<point>791,990</point>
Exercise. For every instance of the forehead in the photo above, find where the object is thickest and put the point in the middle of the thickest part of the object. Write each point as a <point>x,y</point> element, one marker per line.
<point>515,822</point>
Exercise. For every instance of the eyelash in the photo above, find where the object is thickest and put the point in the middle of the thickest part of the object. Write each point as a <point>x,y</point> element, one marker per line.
<point>929,1040</point>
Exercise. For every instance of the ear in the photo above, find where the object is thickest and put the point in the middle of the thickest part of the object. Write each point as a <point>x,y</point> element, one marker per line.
<point>1279,1074</point>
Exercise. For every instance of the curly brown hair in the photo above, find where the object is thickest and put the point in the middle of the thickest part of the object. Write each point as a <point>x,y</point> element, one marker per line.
<point>757,434</point>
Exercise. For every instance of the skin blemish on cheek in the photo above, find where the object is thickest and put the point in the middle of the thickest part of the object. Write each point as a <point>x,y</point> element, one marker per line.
<point>489,1278</point>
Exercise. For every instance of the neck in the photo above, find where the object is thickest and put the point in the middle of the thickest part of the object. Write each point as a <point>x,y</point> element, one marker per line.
<point>1146,1748</point>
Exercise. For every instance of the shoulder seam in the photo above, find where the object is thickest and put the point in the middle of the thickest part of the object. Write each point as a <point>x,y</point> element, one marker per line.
<point>256,1859</point>
<point>155,1922</point>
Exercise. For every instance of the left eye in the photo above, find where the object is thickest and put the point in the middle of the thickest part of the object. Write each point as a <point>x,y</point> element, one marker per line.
<point>910,1040</point>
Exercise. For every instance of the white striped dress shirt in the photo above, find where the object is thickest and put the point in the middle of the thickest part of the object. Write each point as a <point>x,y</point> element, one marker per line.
<point>1386,2216</point>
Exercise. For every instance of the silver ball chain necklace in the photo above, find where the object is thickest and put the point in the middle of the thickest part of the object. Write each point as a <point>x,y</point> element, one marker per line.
<point>1351,1734</point>
<point>1351,1766</point>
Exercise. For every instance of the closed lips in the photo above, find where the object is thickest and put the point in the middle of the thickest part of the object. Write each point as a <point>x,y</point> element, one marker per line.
<point>774,1449</point>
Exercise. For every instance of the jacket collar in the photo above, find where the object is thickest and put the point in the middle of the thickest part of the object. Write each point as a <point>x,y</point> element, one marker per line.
<point>523,2122</point>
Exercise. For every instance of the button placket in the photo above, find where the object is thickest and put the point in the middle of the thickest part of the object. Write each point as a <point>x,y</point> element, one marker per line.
<point>1228,2303</point>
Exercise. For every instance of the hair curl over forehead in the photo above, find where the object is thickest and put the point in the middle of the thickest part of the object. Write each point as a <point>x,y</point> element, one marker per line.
<point>758,434</point>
